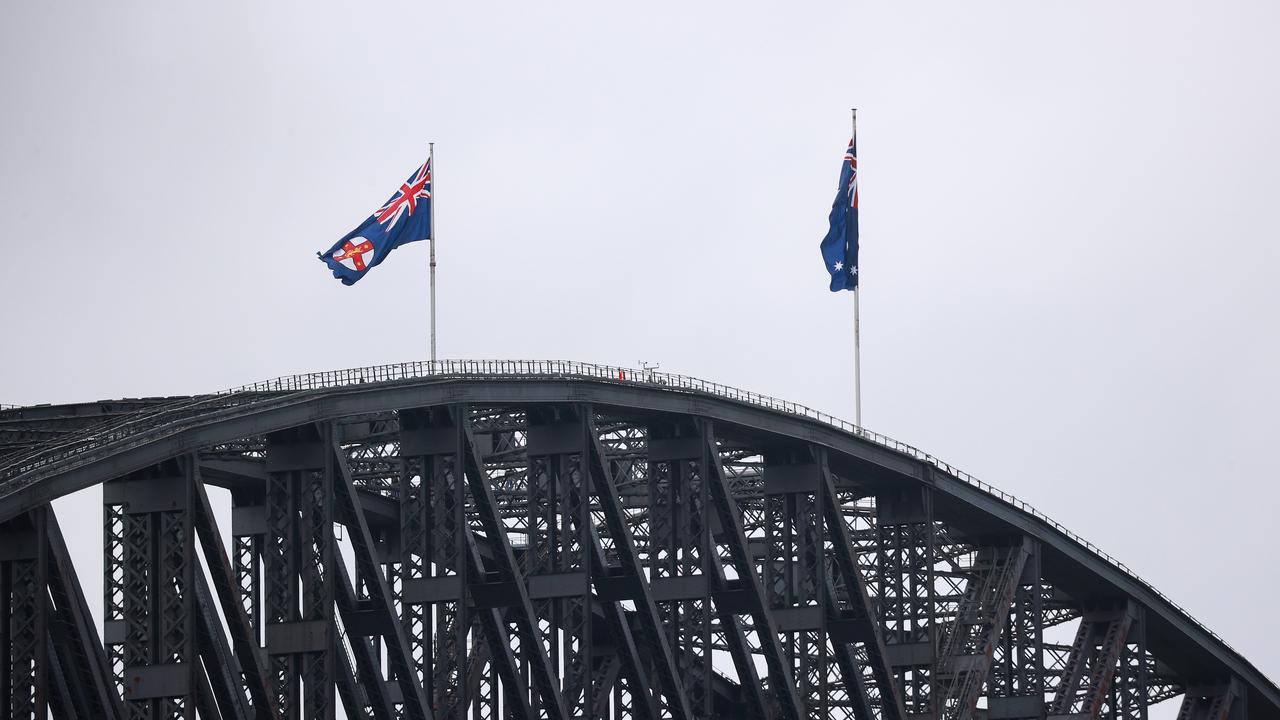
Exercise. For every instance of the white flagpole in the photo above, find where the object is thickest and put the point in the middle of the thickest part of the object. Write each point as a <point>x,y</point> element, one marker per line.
<point>858,350</point>
<point>857,364</point>
<point>431,160</point>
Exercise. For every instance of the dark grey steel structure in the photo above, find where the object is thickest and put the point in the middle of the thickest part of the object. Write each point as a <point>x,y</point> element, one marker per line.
<point>557,540</point>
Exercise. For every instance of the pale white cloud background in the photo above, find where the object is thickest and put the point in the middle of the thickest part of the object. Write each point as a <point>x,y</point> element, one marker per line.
<point>1069,225</point>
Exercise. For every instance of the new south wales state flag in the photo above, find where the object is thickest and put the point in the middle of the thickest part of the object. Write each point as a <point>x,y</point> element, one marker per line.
<point>405,218</point>
<point>840,246</point>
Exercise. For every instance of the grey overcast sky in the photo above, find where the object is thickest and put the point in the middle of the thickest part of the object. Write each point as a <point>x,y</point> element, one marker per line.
<point>1069,224</point>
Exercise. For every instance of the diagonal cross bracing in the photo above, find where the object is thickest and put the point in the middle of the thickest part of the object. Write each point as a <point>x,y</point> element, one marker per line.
<point>1218,702</point>
<point>220,690</point>
<point>152,573</point>
<point>968,646</point>
<point>858,611</point>
<point>440,548</point>
<point>509,574</point>
<point>243,639</point>
<point>628,658</point>
<point>630,573</point>
<point>1092,662</point>
<point>396,644</point>
<point>75,637</point>
<point>364,681</point>
<point>748,583</point>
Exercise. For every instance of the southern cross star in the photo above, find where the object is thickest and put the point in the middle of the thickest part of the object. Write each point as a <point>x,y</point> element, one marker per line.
<point>839,266</point>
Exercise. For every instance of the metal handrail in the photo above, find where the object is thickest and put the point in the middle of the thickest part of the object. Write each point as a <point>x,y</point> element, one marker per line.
<point>92,438</point>
<point>140,430</point>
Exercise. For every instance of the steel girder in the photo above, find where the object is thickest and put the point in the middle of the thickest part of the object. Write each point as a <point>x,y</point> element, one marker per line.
<point>1223,701</point>
<point>556,559</point>
<point>1091,666</point>
<point>24,655</point>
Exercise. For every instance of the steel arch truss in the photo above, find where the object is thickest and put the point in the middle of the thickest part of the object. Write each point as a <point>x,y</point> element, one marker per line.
<point>559,560</point>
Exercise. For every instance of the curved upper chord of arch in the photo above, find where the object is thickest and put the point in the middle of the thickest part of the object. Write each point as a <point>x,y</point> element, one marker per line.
<point>496,539</point>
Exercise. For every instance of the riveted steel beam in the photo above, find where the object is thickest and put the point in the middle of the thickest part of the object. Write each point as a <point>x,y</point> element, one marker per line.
<point>1016,686</point>
<point>748,583</point>
<point>1092,663</point>
<point>366,687</point>
<point>969,642</point>
<point>244,641</point>
<point>159,663</point>
<point>937,563</point>
<point>432,565</point>
<point>396,643</point>
<point>441,559</point>
<point>25,660</point>
<point>220,681</point>
<point>299,578</point>
<point>856,613</point>
<point>509,575</point>
<point>230,419</point>
<point>74,635</point>
<point>1224,700</point>
<point>629,574</point>
<point>579,488</point>
<point>560,557</point>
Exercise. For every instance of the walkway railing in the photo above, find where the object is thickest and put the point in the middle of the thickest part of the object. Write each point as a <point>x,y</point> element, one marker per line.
<point>168,419</point>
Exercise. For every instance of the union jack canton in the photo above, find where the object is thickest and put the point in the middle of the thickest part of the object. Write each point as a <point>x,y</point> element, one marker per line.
<point>405,218</point>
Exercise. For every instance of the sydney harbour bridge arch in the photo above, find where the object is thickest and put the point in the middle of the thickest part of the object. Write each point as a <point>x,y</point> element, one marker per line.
<point>544,539</point>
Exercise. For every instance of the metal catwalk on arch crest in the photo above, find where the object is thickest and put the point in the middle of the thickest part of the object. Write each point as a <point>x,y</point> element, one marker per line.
<point>521,539</point>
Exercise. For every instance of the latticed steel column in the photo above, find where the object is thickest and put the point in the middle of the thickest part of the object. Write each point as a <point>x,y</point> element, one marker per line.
<point>24,617</point>
<point>558,560</point>
<point>433,566</point>
<point>1133,670</point>
<point>248,542</point>
<point>299,573</point>
<point>551,559</point>
<point>151,605</point>
<point>907,603</point>
<point>504,586</point>
<point>1016,688</point>
<point>1093,661</point>
<point>746,592</point>
<point>369,614</point>
<point>969,641</point>
<point>81,682</point>
<point>681,553</point>
<point>795,569</point>
<point>620,576</point>
<point>864,688</point>
<point>231,674</point>
<point>1226,700</point>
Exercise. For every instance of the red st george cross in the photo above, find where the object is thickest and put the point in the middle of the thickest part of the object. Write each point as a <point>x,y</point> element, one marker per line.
<point>418,186</point>
<point>354,253</point>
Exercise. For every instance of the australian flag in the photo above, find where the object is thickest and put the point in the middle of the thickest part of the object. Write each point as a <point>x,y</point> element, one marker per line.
<point>840,246</point>
<point>405,218</point>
